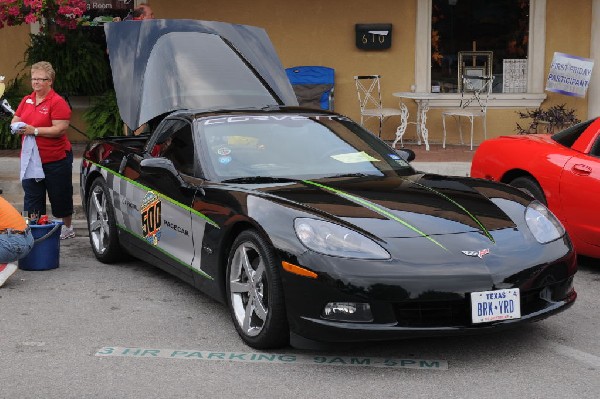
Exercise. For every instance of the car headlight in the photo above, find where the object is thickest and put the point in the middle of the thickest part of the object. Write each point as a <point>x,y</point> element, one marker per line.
<point>331,239</point>
<point>544,226</point>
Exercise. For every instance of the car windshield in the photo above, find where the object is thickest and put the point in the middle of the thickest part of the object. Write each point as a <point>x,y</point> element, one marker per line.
<point>292,146</point>
<point>570,135</point>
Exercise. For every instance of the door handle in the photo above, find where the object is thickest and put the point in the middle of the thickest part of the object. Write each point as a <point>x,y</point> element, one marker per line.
<point>581,169</point>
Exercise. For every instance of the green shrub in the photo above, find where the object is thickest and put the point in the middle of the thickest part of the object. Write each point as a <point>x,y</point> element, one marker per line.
<point>81,65</point>
<point>102,117</point>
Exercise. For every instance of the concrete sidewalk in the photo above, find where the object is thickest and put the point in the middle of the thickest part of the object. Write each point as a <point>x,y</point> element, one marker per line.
<point>454,161</point>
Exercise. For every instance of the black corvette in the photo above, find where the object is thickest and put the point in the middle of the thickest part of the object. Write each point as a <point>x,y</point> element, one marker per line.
<point>309,227</point>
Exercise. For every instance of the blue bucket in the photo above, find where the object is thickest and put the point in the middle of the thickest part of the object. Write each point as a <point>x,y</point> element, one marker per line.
<point>46,250</point>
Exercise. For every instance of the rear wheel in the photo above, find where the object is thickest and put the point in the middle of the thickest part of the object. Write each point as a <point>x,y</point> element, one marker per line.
<point>531,187</point>
<point>101,223</point>
<point>254,292</point>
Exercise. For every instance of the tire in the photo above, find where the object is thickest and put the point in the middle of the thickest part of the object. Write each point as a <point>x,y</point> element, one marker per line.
<point>102,226</point>
<point>255,294</point>
<point>531,187</point>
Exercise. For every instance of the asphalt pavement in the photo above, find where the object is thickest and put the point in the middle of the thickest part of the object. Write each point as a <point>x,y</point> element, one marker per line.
<point>92,330</point>
<point>130,330</point>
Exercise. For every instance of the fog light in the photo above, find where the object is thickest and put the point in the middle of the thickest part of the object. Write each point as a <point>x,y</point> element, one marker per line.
<point>348,311</point>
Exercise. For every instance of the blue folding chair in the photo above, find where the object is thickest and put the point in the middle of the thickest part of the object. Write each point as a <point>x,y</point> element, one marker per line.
<point>313,85</point>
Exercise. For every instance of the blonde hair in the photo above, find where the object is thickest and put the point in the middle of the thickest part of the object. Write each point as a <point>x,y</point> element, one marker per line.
<point>46,67</point>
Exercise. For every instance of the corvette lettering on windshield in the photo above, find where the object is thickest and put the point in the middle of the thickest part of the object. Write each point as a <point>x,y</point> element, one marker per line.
<point>266,118</point>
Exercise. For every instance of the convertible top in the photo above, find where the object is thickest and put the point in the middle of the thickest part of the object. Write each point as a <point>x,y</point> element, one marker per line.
<point>163,65</point>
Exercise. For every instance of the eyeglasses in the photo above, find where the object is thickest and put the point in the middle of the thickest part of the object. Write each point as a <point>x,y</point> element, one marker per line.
<point>40,79</point>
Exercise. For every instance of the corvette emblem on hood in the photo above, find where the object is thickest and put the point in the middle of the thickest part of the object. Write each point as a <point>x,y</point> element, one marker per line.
<point>479,254</point>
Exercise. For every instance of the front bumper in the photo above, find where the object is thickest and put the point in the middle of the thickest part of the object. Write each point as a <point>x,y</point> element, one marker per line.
<point>427,304</point>
<point>426,319</point>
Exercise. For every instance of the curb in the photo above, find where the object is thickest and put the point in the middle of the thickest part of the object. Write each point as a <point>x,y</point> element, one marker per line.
<point>81,228</point>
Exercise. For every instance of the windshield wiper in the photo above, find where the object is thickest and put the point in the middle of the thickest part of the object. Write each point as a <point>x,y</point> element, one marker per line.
<point>260,179</point>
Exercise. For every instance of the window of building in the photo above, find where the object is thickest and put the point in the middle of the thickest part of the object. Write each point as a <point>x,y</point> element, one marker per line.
<point>513,30</point>
<point>475,27</point>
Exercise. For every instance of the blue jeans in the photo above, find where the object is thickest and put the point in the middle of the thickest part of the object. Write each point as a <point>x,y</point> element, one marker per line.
<point>15,246</point>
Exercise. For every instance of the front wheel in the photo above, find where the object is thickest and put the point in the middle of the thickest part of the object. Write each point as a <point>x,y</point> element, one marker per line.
<point>255,294</point>
<point>531,187</point>
<point>101,223</point>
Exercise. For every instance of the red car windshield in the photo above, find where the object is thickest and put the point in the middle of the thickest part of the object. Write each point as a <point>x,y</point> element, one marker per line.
<point>570,135</point>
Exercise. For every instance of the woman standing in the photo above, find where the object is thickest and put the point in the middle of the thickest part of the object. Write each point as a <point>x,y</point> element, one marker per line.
<point>46,117</point>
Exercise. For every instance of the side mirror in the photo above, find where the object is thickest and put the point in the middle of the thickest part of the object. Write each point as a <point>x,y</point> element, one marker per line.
<point>154,165</point>
<point>407,154</point>
<point>162,166</point>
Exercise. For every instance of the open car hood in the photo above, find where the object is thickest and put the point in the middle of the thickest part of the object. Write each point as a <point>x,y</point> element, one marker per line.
<point>162,65</point>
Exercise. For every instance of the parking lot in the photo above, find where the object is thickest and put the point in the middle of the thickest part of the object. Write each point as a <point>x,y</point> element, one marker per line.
<point>130,330</point>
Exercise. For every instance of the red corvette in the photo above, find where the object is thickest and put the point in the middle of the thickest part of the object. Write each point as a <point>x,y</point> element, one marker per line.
<point>560,170</point>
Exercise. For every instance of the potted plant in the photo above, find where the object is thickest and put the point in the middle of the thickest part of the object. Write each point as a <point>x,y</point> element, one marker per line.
<point>55,16</point>
<point>554,118</point>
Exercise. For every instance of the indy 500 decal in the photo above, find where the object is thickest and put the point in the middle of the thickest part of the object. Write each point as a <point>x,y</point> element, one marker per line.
<point>151,218</point>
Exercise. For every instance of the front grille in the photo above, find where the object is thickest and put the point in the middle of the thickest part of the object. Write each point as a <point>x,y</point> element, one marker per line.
<point>432,314</point>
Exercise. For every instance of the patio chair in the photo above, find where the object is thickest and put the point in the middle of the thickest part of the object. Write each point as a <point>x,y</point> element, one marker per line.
<point>476,90</point>
<point>368,88</point>
<point>313,85</point>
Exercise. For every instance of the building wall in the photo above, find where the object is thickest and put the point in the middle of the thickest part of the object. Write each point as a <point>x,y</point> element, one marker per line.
<point>568,25</point>
<point>13,43</point>
<point>322,33</point>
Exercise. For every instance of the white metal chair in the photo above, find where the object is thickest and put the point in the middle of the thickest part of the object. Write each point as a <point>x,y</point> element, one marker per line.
<point>368,88</point>
<point>476,90</point>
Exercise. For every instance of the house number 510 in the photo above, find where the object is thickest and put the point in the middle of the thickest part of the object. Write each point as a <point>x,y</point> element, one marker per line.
<point>380,38</point>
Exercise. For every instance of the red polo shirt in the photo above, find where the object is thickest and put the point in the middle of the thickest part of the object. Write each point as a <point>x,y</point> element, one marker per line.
<point>53,107</point>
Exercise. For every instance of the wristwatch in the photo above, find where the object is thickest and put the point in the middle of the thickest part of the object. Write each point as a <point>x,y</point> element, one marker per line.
<point>35,131</point>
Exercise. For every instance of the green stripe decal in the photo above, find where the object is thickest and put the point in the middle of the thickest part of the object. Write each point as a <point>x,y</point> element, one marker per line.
<point>375,208</point>
<point>485,231</point>
<point>200,272</point>
<point>162,196</point>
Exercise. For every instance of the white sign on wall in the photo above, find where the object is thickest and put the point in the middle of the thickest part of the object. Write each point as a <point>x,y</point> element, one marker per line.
<point>109,4</point>
<point>569,75</point>
<point>514,76</point>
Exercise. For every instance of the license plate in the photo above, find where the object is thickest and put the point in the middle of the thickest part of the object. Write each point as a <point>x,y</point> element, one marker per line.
<point>487,306</point>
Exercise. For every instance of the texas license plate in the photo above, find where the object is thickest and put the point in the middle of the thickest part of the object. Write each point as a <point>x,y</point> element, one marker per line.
<point>496,305</point>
